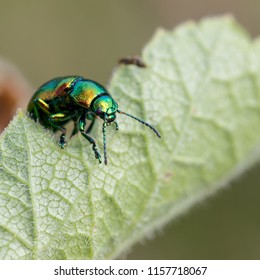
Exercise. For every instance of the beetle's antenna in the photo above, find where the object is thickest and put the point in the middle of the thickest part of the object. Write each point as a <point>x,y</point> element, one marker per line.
<point>142,122</point>
<point>104,141</point>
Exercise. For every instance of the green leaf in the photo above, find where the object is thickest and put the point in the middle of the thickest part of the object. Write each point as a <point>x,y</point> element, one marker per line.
<point>201,89</point>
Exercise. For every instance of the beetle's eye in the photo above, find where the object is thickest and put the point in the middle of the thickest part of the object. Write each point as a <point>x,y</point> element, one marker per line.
<point>99,111</point>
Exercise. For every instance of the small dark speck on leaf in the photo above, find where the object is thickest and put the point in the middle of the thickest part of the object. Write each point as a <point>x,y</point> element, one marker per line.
<point>167,176</point>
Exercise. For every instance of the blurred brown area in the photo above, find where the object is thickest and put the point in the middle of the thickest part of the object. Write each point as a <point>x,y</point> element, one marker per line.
<point>14,92</point>
<point>87,37</point>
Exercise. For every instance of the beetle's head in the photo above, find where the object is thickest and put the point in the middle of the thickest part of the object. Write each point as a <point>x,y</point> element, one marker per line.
<point>105,107</point>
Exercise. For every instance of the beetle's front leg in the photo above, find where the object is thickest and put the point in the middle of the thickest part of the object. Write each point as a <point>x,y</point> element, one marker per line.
<point>82,125</point>
<point>91,117</point>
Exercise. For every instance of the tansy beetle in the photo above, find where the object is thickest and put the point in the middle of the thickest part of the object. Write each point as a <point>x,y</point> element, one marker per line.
<point>74,98</point>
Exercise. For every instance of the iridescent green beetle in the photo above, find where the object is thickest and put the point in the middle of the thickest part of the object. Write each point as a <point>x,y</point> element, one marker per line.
<point>75,98</point>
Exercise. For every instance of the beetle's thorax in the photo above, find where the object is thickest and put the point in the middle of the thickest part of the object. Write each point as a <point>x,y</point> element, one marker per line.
<point>85,91</point>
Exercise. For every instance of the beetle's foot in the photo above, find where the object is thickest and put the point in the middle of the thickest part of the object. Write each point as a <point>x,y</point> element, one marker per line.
<point>97,154</point>
<point>117,126</point>
<point>62,142</point>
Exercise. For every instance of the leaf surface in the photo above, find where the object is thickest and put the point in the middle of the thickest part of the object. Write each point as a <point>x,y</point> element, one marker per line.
<point>200,89</point>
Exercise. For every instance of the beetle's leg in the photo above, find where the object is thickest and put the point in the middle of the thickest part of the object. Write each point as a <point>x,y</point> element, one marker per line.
<point>91,117</point>
<point>76,128</point>
<point>82,125</point>
<point>94,145</point>
<point>116,124</point>
<point>40,104</point>
<point>53,119</point>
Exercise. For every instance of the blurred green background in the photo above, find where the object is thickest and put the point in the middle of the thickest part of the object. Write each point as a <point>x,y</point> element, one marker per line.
<point>53,38</point>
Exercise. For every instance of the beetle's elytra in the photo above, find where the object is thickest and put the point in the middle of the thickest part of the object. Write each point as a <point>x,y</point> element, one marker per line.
<point>75,98</point>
